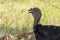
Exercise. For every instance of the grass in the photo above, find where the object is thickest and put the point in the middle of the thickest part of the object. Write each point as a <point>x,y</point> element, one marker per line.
<point>14,17</point>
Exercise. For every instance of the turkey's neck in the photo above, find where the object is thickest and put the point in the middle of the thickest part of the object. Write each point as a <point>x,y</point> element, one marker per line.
<point>36,18</point>
<point>36,21</point>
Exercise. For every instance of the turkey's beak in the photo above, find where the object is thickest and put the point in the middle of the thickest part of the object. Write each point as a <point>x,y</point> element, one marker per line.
<point>30,10</point>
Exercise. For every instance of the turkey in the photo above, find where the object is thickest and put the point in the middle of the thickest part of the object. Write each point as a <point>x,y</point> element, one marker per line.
<point>43,32</point>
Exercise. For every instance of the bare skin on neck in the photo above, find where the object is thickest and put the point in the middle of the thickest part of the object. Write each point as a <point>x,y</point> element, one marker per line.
<point>36,18</point>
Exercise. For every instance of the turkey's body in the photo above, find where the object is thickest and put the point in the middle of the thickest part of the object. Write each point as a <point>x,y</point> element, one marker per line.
<point>47,32</point>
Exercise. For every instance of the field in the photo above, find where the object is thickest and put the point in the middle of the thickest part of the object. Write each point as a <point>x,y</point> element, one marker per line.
<point>15,18</point>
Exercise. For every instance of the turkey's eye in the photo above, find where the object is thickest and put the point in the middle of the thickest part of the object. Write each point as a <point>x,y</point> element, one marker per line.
<point>36,10</point>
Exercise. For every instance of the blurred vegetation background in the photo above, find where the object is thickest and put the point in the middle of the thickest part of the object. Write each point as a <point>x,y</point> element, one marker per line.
<point>15,19</point>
